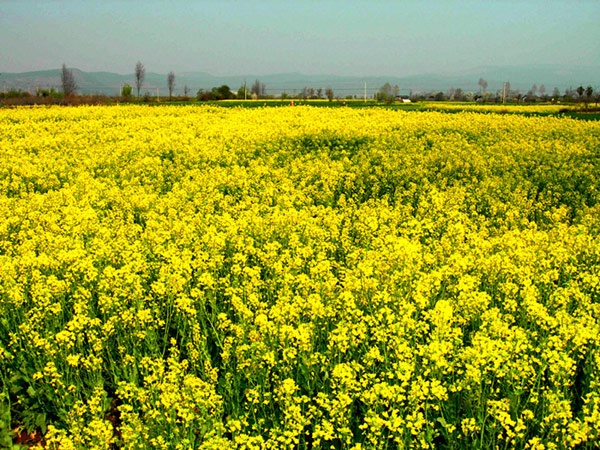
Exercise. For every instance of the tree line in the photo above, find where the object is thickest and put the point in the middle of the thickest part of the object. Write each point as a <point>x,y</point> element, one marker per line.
<point>507,94</point>
<point>386,93</point>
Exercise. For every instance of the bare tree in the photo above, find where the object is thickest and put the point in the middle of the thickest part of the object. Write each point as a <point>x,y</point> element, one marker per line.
<point>555,95</point>
<point>506,91</point>
<point>258,89</point>
<point>542,91</point>
<point>171,83</point>
<point>450,93</point>
<point>533,91</point>
<point>255,89</point>
<point>329,93</point>
<point>304,93</point>
<point>569,94</point>
<point>386,89</point>
<point>483,84</point>
<point>140,74</point>
<point>69,86</point>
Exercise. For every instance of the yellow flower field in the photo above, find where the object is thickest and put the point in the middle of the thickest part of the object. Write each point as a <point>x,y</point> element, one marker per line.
<point>297,277</point>
<point>543,108</point>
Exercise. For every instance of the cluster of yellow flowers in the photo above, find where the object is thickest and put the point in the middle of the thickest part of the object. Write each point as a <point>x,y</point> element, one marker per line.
<point>278,278</point>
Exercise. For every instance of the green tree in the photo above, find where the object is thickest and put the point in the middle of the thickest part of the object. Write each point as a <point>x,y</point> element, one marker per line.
<point>204,95</point>
<point>126,90</point>
<point>385,93</point>
<point>242,92</point>
<point>222,92</point>
<point>589,92</point>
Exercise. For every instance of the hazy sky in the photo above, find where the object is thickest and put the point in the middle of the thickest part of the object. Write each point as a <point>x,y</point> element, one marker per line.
<point>312,37</point>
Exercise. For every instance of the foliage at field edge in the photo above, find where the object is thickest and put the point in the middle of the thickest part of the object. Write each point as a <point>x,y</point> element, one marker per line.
<point>199,277</point>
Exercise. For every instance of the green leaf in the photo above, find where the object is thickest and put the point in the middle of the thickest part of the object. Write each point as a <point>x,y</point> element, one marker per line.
<point>5,439</point>
<point>40,420</point>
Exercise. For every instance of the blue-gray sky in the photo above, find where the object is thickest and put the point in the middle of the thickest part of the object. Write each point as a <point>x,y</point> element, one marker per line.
<point>313,37</point>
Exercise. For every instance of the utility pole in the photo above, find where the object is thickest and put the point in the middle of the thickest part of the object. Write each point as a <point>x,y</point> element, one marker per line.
<point>157,97</point>
<point>504,92</point>
<point>245,91</point>
<point>365,92</point>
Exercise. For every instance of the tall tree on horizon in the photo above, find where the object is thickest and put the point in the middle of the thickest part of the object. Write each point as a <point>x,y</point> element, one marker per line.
<point>69,86</point>
<point>259,89</point>
<point>171,83</point>
<point>140,74</point>
<point>482,84</point>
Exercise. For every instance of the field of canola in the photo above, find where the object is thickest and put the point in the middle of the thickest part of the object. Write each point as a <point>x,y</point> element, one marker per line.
<point>544,108</point>
<point>298,278</point>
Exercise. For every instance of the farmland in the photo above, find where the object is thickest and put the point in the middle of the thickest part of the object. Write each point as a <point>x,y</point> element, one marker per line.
<point>199,277</point>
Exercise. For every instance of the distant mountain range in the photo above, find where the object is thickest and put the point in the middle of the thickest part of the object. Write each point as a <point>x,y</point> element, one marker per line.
<point>520,77</point>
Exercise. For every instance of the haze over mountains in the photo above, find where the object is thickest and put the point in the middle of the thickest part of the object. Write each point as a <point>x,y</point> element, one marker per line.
<point>520,77</point>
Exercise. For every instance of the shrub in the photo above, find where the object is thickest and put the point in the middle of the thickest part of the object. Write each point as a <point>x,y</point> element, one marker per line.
<point>126,91</point>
